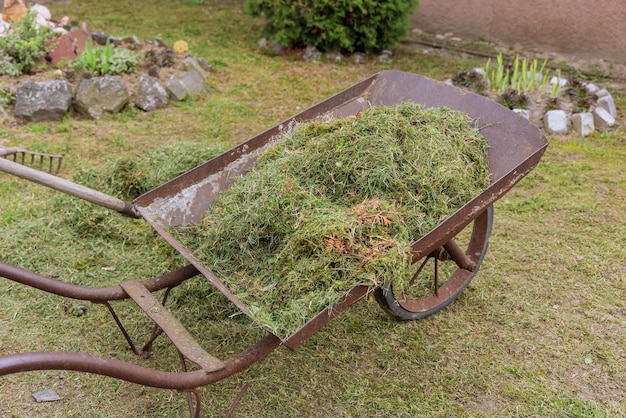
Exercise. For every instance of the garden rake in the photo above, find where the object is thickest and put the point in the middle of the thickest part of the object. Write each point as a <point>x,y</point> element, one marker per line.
<point>38,160</point>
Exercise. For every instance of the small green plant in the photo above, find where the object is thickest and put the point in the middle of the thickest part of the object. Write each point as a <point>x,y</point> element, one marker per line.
<point>6,96</point>
<point>578,94</point>
<point>334,25</point>
<point>23,46</point>
<point>553,103</point>
<point>472,80</point>
<point>555,91</point>
<point>521,75</point>
<point>513,99</point>
<point>105,60</point>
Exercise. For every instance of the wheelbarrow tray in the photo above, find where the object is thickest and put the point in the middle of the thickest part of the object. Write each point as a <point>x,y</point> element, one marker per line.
<point>515,148</point>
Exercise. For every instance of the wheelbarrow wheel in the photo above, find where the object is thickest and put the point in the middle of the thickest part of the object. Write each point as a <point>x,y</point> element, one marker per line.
<point>441,276</point>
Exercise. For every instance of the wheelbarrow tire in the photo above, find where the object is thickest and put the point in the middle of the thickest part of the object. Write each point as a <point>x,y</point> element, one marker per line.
<point>408,308</point>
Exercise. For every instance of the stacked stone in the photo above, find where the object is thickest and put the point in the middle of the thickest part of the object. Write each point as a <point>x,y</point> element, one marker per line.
<point>601,115</point>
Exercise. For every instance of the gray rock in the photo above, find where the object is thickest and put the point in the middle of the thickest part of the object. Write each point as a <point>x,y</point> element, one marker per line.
<point>101,38</point>
<point>193,81</point>
<point>99,97</point>
<point>187,84</point>
<point>602,93</point>
<point>555,121</point>
<point>311,53</point>
<point>43,101</point>
<point>583,123</point>
<point>150,95</point>
<point>358,58</point>
<point>384,57</point>
<point>192,64</point>
<point>607,103</point>
<point>334,56</point>
<point>206,66</point>
<point>176,89</point>
<point>525,113</point>
<point>602,119</point>
<point>591,88</point>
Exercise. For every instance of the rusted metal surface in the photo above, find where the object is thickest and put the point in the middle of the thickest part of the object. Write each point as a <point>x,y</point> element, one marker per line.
<point>320,320</point>
<point>92,294</point>
<point>87,363</point>
<point>177,333</point>
<point>515,147</point>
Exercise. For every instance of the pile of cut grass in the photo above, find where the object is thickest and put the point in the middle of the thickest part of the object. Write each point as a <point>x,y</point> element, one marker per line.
<point>337,204</point>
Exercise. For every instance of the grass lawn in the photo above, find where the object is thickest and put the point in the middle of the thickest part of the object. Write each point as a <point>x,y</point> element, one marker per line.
<point>541,331</point>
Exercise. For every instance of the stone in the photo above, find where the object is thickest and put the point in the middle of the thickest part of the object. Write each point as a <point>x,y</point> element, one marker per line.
<point>311,54</point>
<point>193,81</point>
<point>358,58</point>
<point>525,113</point>
<point>555,121</point>
<point>42,11</point>
<point>43,101</point>
<point>602,119</point>
<point>384,57</point>
<point>334,56</point>
<point>206,66</point>
<point>61,49</point>
<point>176,89</point>
<point>130,40</point>
<point>591,88</point>
<point>602,93</point>
<point>189,83</point>
<point>150,94</point>
<point>607,103</point>
<point>101,38</point>
<point>583,123</point>
<point>4,27</point>
<point>192,64</point>
<point>13,10</point>
<point>99,97</point>
<point>558,80</point>
<point>79,38</point>
<point>48,395</point>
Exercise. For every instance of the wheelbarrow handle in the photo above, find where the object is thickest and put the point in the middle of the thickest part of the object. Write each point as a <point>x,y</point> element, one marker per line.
<point>68,187</point>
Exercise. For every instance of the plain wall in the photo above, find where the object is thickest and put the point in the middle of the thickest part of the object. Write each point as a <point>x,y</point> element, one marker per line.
<point>584,28</point>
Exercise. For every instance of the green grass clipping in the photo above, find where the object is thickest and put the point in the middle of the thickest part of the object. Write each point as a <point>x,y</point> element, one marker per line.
<point>337,204</point>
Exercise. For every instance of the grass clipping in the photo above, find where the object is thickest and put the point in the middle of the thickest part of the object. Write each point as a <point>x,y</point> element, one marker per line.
<point>337,204</point>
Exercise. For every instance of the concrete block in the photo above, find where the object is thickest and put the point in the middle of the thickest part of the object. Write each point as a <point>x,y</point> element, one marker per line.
<point>602,119</point>
<point>591,88</point>
<point>558,80</point>
<point>607,103</point>
<point>583,123</point>
<point>555,121</point>
<point>602,93</point>
<point>525,113</point>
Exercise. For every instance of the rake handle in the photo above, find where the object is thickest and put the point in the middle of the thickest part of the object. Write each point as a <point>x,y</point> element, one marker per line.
<point>68,187</point>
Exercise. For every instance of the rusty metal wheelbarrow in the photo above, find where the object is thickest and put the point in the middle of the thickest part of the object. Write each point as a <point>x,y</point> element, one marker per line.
<point>454,249</point>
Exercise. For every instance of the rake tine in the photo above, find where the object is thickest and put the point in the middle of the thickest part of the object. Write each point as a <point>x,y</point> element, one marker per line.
<point>37,159</point>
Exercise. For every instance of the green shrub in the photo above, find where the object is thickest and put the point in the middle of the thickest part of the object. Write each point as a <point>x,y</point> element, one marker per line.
<point>106,60</point>
<point>340,25</point>
<point>23,46</point>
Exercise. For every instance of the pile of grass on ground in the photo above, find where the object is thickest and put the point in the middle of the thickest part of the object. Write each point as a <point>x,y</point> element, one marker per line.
<point>337,204</point>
